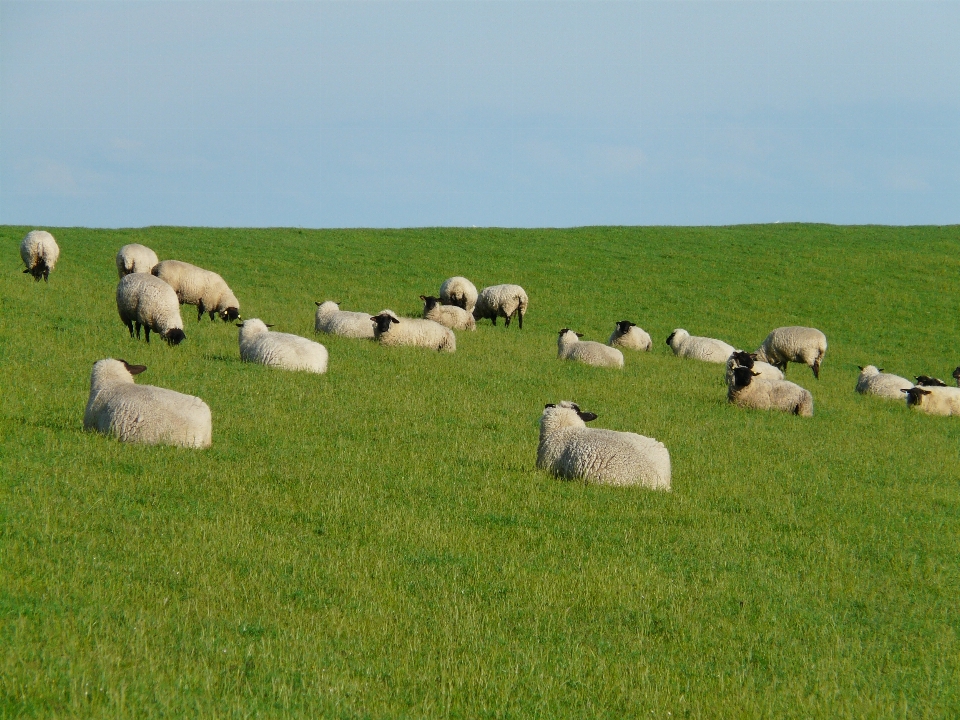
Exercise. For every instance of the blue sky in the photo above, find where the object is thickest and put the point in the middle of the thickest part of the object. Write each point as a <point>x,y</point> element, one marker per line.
<point>388,114</point>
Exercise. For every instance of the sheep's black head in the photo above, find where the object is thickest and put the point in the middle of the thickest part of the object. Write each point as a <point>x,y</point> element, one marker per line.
<point>743,359</point>
<point>956,375</point>
<point>670,337</point>
<point>915,395</point>
<point>381,322</point>
<point>174,336</point>
<point>429,302</point>
<point>568,330</point>
<point>230,314</point>
<point>743,376</point>
<point>927,381</point>
<point>624,326</point>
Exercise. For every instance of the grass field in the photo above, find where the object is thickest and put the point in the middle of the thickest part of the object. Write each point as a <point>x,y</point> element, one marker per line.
<point>376,542</point>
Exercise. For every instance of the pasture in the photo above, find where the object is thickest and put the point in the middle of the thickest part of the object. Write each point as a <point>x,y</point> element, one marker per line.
<point>376,541</point>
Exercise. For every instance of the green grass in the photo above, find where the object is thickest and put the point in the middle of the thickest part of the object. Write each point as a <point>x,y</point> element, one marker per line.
<point>376,542</point>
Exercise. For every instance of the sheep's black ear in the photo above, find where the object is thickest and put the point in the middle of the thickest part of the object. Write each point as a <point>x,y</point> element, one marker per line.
<point>268,324</point>
<point>549,405</point>
<point>670,337</point>
<point>563,330</point>
<point>133,369</point>
<point>423,297</point>
<point>240,324</point>
<point>878,369</point>
<point>861,367</point>
<point>578,334</point>
<point>587,416</point>
<point>317,303</point>
<point>394,320</point>
<point>26,271</point>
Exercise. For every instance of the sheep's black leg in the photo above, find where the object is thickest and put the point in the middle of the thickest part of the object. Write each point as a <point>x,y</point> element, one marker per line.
<point>147,330</point>
<point>506,323</point>
<point>138,329</point>
<point>816,368</point>
<point>520,319</point>
<point>494,320</point>
<point>213,315</point>
<point>129,327</point>
<point>200,311</point>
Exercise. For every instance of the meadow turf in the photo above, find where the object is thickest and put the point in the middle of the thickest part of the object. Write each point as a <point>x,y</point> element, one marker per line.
<point>377,542</point>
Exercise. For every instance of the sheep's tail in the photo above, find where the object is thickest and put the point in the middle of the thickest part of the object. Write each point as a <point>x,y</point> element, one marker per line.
<point>519,312</point>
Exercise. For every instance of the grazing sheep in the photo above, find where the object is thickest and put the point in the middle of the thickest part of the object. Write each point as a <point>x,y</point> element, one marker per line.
<point>460,292</point>
<point>934,400</point>
<point>749,391</point>
<point>39,252</point>
<point>886,385</point>
<point>450,316</point>
<point>388,329</point>
<point>571,450</point>
<point>135,258</point>
<point>956,375</point>
<point>699,348</point>
<point>569,347</point>
<point>927,381</point>
<point>744,359</point>
<point>151,303</point>
<point>143,413</point>
<point>794,344</point>
<point>628,335</point>
<point>203,288</point>
<point>280,350</point>
<point>501,300</point>
<point>332,320</point>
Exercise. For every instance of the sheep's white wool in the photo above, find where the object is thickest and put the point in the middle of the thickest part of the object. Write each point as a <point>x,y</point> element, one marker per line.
<point>391,330</point>
<point>886,385</point>
<point>934,400</point>
<point>203,288</point>
<point>450,316</point>
<point>280,350</point>
<point>332,320</point>
<point>570,347</point>
<point>150,303</point>
<point>699,348</point>
<point>628,335</point>
<point>794,344</point>
<point>135,258</point>
<point>501,301</point>
<point>39,252</point>
<point>460,292</point>
<point>748,391</point>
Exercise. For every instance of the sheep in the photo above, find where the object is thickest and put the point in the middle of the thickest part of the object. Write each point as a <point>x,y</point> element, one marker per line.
<point>142,413</point>
<point>151,303</point>
<point>873,381</point>
<point>569,347</point>
<point>744,359</point>
<point>934,400</point>
<point>334,321</point>
<point>956,375</point>
<point>794,344</point>
<point>460,292</point>
<point>203,288</point>
<point>501,300</point>
<point>571,450</point>
<point>39,252</point>
<point>699,348</point>
<point>927,381</point>
<point>388,329</point>
<point>135,258</point>
<point>279,350</point>
<point>450,316</point>
<point>628,335</point>
<point>750,391</point>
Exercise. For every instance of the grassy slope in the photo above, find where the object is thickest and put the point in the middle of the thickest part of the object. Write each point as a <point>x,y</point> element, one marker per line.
<point>376,542</point>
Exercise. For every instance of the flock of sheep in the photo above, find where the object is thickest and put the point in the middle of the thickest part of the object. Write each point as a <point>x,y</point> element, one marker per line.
<point>150,292</point>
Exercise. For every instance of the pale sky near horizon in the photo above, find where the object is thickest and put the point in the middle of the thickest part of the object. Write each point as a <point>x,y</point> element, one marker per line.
<point>487,113</point>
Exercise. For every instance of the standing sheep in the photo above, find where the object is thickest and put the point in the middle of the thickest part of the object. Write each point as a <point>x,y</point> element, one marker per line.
<point>39,252</point>
<point>460,292</point>
<point>628,335</point>
<point>388,329</point>
<point>502,301</point>
<point>571,450</point>
<point>332,320</point>
<point>203,288</point>
<point>569,347</point>
<point>794,344</point>
<point>450,316</point>
<point>886,385</point>
<point>749,391</point>
<point>280,350</point>
<point>142,413</point>
<point>151,303</point>
<point>135,258</point>
<point>934,400</point>
<point>707,349</point>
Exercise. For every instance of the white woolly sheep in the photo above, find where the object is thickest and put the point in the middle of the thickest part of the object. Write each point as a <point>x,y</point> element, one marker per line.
<point>203,288</point>
<point>135,258</point>
<point>450,316</point>
<point>460,292</point>
<point>794,344</point>
<point>388,329</point>
<point>934,400</point>
<point>571,450</point>
<point>739,358</point>
<point>628,335</point>
<point>151,303</point>
<point>749,391</point>
<point>39,252</point>
<point>143,413</point>
<point>886,385</point>
<point>570,347</point>
<point>280,350</point>
<point>332,320</point>
<point>502,301</point>
<point>699,348</point>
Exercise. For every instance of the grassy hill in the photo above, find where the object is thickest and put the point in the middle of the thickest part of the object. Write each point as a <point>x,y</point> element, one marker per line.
<point>376,541</point>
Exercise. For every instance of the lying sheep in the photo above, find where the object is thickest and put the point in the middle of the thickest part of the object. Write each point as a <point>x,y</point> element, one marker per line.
<point>570,347</point>
<point>571,450</point>
<point>886,385</point>
<point>749,391</point>
<point>388,329</point>
<point>135,258</point>
<point>280,350</point>
<point>151,303</point>
<point>460,292</point>
<point>203,288</point>
<point>699,348</point>
<point>927,381</point>
<point>332,320</point>
<point>450,316</point>
<point>143,413</point>
<point>956,375</point>
<point>794,344</point>
<point>501,301</point>
<point>934,400</point>
<point>39,252</point>
<point>628,335</point>
<point>739,358</point>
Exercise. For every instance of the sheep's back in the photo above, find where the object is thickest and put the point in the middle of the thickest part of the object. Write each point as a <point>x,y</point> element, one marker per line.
<point>885,385</point>
<point>610,457</point>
